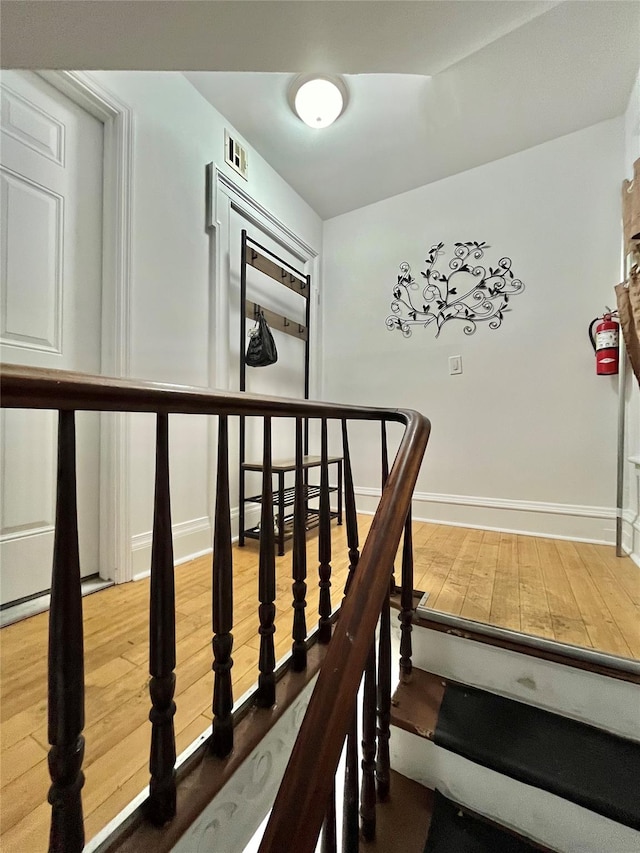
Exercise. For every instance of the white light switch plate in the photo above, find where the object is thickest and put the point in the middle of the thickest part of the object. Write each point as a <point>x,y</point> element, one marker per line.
<point>455,365</point>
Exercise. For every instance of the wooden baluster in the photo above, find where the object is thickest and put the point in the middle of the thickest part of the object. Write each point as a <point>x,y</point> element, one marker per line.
<point>329,841</point>
<point>161,805</point>
<point>368,790</point>
<point>66,662</point>
<point>299,588</point>
<point>350,828</point>
<point>266,696</point>
<point>385,476</point>
<point>222,605</point>
<point>351,515</point>
<point>406,602</point>
<point>324,542</point>
<point>383,767</point>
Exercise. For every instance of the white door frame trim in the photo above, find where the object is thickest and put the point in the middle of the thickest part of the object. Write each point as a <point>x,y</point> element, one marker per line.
<point>117,117</point>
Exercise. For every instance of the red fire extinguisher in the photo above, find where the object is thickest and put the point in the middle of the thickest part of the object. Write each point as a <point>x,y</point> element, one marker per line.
<point>605,342</point>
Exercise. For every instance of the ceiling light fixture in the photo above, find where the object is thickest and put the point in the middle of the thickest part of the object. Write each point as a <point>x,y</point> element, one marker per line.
<point>318,100</point>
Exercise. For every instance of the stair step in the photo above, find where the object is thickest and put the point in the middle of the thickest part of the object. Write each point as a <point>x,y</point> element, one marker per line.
<point>607,700</point>
<point>402,822</point>
<point>455,830</point>
<point>581,763</point>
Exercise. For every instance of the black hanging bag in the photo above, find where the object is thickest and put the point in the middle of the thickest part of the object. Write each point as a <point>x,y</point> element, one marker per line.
<point>262,348</point>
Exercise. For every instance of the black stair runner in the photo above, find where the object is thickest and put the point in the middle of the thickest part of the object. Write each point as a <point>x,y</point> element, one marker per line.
<point>453,831</point>
<point>583,764</point>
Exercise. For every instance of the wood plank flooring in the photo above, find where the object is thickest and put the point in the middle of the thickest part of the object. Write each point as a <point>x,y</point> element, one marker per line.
<point>567,591</point>
<point>117,702</point>
<point>572,592</point>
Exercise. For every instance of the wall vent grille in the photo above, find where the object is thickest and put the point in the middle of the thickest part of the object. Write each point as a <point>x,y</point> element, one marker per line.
<point>235,155</point>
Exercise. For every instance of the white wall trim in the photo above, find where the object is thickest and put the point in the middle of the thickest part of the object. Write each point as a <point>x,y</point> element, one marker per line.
<point>535,518</point>
<point>260,215</point>
<point>117,117</point>
<point>191,539</point>
<point>182,528</point>
<point>631,514</point>
<point>502,503</point>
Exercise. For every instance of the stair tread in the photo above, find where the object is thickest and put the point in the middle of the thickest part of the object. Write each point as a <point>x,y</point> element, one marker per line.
<point>579,762</point>
<point>455,829</point>
<point>402,822</point>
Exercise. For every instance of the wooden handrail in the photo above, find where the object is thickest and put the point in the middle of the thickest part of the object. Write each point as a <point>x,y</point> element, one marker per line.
<point>302,799</point>
<point>24,387</point>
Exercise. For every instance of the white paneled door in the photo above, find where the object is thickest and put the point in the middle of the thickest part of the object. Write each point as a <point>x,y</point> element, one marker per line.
<point>50,315</point>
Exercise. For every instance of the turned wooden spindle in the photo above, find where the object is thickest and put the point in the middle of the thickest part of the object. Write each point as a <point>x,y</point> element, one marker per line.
<point>350,827</point>
<point>350,511</point>
<point>368,789</point>
<point>161,805</point>
<point>66,661</point>
<point>299,587</point>
<point>383,767</point>
<point>222,604</point>
<point>266,695</point>
<point>385,477</point>
<point>406,602</point>
<point>324,542</point>
<point>329,836</point>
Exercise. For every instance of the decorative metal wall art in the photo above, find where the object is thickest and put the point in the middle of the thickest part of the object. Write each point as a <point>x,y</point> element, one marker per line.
<point>486,299</point>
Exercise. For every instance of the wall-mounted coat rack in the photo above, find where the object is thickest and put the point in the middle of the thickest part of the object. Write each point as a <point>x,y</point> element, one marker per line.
<point>282,273</point>
<point>276,321</point>
<point>255,255</point>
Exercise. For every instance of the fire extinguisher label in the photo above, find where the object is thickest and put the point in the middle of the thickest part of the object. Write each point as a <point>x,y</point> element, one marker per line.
<point>607,340</point>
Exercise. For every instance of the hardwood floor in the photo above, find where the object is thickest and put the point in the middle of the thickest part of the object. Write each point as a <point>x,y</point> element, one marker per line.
<point>567,591</point>
<point>116,695</point>
<point>572,592</point>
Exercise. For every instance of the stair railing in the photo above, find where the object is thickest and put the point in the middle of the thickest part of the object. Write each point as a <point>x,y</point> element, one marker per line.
<point>306,797</point>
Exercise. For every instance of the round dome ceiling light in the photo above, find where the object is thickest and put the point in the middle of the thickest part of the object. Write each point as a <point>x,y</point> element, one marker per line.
<point>318,100</point>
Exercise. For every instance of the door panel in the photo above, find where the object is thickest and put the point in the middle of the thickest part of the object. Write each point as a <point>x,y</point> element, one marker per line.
<point>51,207</point>
<point>32,291</point>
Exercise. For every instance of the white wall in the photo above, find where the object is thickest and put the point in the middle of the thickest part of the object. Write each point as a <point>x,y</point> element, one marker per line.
<point>176,133</point>
<point>525,438</point>
<point>631,526</point>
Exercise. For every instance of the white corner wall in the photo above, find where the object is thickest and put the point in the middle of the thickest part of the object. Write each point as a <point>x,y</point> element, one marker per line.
<point>176,133</point>
<point>631,515</point>
<point>525,438</point>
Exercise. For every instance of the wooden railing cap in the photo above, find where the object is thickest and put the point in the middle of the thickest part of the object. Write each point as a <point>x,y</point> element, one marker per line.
<point>39,388</point>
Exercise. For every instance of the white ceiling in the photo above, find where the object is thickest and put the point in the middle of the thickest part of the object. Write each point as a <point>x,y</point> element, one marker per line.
<point>435,87</point>
<point>567,68</point>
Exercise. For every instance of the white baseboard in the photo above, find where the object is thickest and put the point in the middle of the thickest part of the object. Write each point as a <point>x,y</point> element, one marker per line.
<point>631,535</point>
<point>191,539</point>
<point>533,518</point>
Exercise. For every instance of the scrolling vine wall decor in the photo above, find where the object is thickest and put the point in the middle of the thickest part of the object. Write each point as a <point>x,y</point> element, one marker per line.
<point>485,300</point>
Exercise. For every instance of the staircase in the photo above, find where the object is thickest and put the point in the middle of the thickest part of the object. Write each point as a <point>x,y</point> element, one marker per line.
<point>516,751</point>
<point>489,743</point>
<point>493,750</point>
